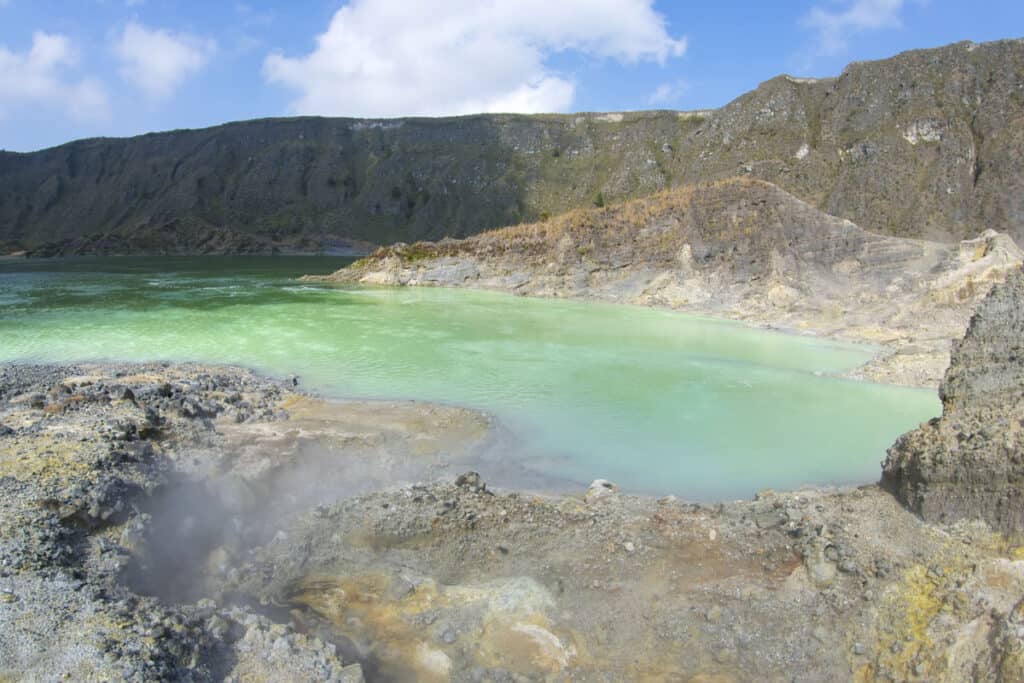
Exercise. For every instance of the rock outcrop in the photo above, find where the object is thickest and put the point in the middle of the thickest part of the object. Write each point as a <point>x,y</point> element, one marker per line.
<point>740,248</point>
<point>926,144</point>
<point>143,541</point>
<point>969,464</point>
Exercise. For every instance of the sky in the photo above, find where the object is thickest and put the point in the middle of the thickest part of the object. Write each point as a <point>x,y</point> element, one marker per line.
<point>85,68</point>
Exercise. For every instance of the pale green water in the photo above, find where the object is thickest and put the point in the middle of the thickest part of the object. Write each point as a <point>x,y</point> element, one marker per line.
<point>656,401</point>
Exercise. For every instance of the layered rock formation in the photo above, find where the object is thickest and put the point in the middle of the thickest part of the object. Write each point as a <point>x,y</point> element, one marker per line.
<point>741,248</point>
<point>970,462</point>
<point>926,144</point>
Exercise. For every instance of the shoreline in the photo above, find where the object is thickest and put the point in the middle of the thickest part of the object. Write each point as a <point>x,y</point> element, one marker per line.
<point>502,437</point>
<point>875,370</point>
<point>823,574</point>
<point>738,248</point>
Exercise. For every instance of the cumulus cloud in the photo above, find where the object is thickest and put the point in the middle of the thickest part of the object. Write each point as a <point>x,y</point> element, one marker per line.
<point>382,58</point>
<point>158,61</point>
<point>39,76</point>
<point>835,28</point>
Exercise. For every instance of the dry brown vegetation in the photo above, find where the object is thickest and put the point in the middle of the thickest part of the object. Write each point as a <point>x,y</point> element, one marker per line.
<point>596,227</point>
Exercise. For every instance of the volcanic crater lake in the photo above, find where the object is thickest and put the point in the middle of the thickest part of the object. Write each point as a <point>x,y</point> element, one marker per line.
<point>657,401</point>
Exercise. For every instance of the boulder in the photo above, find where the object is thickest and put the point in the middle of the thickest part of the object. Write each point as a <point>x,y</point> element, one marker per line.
<point>969,463</point>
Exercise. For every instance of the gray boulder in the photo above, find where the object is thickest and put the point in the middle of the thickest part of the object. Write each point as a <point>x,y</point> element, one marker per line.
<point>969,464</point>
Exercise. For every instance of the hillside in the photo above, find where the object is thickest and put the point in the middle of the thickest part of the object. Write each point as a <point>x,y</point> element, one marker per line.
<point>927,144</point>
<point>740,248</point>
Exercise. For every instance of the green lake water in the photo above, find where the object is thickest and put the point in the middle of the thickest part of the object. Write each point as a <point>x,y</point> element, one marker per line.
<point>656,401</point>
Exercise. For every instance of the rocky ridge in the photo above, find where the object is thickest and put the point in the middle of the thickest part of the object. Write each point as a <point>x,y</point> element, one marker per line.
<point>969,463</point>
<point>739,248</point>
<point>927,144</point>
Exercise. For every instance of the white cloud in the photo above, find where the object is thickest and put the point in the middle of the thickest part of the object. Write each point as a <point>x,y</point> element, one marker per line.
<point>158,61</point>
<point>667,93</point>
<point>835,28</point>
<point>38,77</point>
<point>383,58</point>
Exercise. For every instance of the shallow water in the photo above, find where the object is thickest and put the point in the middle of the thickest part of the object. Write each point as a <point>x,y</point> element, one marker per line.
<point>657,401</point>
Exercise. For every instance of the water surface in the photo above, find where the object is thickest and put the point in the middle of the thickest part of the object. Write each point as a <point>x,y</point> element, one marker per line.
<point>657,401</point>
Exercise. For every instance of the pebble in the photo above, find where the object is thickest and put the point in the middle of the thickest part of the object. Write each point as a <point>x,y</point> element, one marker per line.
<point>601,488</point>
<point>400,588</point>
<point>771,519</point>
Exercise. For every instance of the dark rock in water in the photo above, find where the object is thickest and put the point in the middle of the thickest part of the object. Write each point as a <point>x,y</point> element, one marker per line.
<point>5,430</point>
<point>969,464</point>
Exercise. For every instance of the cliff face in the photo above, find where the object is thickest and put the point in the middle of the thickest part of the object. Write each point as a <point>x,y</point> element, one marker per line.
<point>380,181</point>
<point>741,248</point>
<point>926,144</point>
<point>970,462</point>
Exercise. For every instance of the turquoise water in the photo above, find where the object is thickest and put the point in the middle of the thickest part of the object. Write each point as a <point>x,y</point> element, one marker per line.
<point>657,401</point>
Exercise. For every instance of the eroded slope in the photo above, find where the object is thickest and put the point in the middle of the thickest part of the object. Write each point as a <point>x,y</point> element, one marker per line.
<point>740,248</point>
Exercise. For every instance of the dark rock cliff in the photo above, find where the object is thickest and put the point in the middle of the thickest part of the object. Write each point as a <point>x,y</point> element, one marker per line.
<point>283,179</point>
<point>927,144</point>
<point>970,462</point>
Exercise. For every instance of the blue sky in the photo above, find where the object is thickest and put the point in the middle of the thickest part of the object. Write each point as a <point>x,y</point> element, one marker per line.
<point>88,68</point>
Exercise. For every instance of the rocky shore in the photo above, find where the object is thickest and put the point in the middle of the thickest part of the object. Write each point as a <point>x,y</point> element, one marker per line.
<point>738,248</point>
<point>182,522</point>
